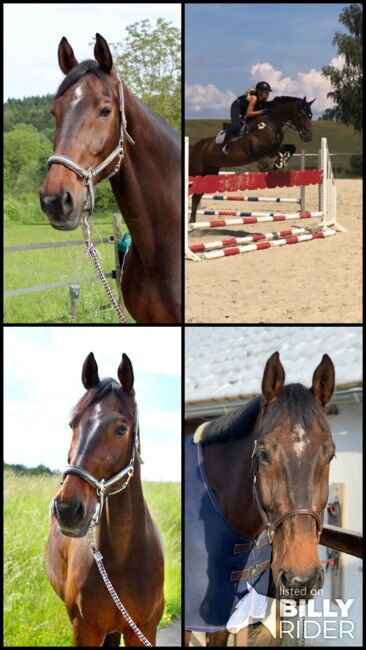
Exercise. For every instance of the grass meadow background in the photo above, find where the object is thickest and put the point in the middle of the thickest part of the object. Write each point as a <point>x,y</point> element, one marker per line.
<point>23,269</point>
<point>33,613</point>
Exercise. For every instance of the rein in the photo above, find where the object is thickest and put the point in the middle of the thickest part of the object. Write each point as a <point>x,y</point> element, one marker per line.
<point>101,487</point>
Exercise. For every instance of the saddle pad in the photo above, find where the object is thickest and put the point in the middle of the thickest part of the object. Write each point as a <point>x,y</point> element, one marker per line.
<point>218,561</point>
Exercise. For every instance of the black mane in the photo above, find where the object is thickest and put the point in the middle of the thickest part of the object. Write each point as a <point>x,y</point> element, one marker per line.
<point>295,405</point>
<point>233,425</point>
<point>97,393</point>
<point>79,71</point>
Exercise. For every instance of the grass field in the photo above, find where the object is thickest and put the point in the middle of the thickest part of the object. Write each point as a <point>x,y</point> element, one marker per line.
<point>29,268</point>
<point>33,615</point>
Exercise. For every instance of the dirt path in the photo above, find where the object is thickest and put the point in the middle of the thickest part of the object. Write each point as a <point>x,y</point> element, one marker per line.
<point>170,636</point>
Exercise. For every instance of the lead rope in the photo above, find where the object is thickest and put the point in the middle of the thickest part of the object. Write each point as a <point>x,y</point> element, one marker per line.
<point>90,248</point>
<point>99,560</point>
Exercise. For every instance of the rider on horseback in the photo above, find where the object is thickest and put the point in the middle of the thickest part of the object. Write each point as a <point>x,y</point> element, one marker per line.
<point>251,104</point>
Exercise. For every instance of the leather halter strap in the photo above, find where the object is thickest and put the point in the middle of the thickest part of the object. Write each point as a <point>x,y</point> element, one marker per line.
<point>271,527</point>
<point>91,173</point>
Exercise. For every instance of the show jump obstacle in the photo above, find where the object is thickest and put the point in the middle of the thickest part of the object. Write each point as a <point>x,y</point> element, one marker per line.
<point>216,188</point>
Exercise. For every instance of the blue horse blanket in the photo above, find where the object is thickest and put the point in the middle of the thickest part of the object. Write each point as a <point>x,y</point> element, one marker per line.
<point>218,561</point>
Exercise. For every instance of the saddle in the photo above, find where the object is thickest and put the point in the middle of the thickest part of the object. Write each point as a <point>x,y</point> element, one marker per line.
<point>221,134</point>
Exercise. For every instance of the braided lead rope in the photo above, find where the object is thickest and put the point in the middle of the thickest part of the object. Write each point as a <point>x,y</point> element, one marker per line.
<point>99,560</point>
<point>93,253</point>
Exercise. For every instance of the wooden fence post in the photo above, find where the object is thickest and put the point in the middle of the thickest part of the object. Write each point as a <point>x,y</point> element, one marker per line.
<point>74,297</point>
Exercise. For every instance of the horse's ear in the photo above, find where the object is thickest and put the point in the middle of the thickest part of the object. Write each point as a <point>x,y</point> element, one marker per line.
<point>273,377</point>
<point>125,374</point>
<point>89,375</point>
<point>102,53</point>
<point>66,57</point>
<point>324,380</point>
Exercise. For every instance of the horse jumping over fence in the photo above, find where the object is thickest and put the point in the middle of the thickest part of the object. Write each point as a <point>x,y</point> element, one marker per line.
<point>263,139</point>
<point>93,110</point>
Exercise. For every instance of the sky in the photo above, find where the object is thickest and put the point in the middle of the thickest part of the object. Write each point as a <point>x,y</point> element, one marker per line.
<point>42,374</point>
<point>33,31</point>
<point>230,47</point>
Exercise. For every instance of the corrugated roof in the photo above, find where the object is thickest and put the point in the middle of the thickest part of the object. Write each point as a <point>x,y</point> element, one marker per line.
<point>228,362</point>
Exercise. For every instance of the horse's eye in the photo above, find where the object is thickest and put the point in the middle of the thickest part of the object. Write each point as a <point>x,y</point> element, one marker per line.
<point>70,425</point>
<point>121,430</point>
<point>105,112</point>
<point>263,454</point>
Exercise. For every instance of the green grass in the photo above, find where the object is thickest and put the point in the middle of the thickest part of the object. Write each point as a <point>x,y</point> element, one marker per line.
<point>33,614</point>
<point>29,268</point>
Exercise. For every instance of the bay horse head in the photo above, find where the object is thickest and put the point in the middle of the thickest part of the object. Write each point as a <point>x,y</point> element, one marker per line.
<point>104,450</point>
<point>89,138</point>
<point>291,457</point>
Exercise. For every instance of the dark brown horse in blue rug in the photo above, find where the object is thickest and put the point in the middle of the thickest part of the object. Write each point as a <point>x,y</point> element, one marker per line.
<point>256,486</point>
<point>103,131</point>
<point>112,584</point>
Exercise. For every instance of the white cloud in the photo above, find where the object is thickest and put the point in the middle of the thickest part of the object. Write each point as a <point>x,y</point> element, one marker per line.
<point>311,83</point>
<point>208,97</point>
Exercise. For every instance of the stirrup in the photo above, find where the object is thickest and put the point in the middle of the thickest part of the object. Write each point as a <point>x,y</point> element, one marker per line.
<point>225,149</point>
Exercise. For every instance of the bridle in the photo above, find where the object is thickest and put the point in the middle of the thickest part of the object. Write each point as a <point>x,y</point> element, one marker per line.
<point>103,485</point>
<point>271,527</point>
<point>91,173</point>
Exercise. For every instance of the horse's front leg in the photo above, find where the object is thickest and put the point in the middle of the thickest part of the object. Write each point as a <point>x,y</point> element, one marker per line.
<point>187,638</point>
<point>285,152</point>
<point>131,639</point>
<point>217,639</point>
<point>86,635</point>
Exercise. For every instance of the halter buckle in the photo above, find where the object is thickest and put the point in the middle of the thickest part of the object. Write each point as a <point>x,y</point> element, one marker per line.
<point>270,533</point>
<point>255,448</point>
<point>101,488</point>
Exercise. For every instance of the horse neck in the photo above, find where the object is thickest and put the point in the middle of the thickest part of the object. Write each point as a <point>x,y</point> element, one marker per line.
<point>123,520</point>
<point>144,187</point>
<point>228,468</point>
<point>283,113</point>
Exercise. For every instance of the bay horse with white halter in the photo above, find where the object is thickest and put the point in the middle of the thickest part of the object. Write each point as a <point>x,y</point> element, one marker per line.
<point>103,131</point>
<point>265,473</point>
<point>101,494</point>
<point>262,138</point>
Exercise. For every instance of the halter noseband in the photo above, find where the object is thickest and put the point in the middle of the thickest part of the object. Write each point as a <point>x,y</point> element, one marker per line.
<point>271,527</point>
<point>91,173</point>
<point>103,485</point>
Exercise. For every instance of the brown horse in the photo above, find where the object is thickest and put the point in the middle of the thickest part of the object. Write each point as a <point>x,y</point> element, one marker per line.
<point>103,131</point>
<point>262,139</point>
<point>266,471</point>
<point>105,438</point>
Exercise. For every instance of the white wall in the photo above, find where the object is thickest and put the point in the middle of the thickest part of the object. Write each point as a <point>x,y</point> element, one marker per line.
<point>347,468</point>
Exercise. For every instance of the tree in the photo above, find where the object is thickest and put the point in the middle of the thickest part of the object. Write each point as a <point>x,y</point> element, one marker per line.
<point>149,60</point>
<point>347,82</point>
